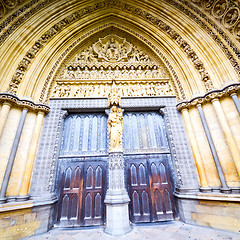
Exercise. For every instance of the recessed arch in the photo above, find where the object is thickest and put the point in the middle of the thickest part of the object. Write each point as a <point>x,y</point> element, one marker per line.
<point>174,52</point>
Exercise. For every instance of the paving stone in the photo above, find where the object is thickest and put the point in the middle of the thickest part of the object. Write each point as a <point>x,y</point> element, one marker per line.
<point>175,230</point>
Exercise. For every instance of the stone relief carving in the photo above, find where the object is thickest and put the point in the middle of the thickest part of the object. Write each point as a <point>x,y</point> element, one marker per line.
<point>115,129</point>
<point>114,97</point>
<point>112,58</point>
<point>125,89</point>
<point>51,32</point>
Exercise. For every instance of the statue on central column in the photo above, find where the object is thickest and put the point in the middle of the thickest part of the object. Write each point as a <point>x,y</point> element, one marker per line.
<point>115,129</point>
<point>115,120</point>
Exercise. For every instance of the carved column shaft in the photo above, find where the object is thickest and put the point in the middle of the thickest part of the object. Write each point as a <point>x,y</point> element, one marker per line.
<point>12,156</point>
<point>195,149</point>
<point>236,101</point>
<point>213,149</point>
<point>31,157</point>
<point>3,115</point>
<point>227,132</point>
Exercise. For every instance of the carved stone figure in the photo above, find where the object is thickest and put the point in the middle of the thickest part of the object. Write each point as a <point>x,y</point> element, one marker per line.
<point>115,129</point>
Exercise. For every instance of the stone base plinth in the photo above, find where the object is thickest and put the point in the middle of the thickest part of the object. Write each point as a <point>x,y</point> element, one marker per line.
<point>117,214</point>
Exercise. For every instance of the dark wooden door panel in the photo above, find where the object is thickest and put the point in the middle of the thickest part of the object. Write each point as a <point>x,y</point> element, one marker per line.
<point>93,193</point>
<point>139,190</point>
<point>149,188</point>
<point>81,192</point>
<point>70,194</point>
<point>161,189</point>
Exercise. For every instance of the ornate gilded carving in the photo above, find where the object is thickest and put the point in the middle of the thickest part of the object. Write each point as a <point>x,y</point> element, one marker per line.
<point>210,96</point>
<point>115,129</point>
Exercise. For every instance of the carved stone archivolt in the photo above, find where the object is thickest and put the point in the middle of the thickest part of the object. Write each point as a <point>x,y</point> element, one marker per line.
<point>22,67</point>
<point>91,72</point>
<point>224,10</point>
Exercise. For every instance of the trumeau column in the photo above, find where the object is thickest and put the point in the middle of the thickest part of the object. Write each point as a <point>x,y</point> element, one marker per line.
<point>196,152</point>
<point>31,157</point>
<point>3,115</point>
<point>116,200</point>
<point>12,157</point>
<point>227,132</point>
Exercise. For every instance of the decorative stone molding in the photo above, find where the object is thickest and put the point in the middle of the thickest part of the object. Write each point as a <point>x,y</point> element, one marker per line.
<point>23,103</point>
<point>215,32</point>
<point>116,161</point>
<point>210,96</point>
<point>39,44</point>
<point>8,5</point>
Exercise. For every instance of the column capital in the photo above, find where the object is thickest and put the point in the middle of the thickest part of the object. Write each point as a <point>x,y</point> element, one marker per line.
<point>7,103</point>
<point>199,105</point>
<point>215,100</point>
<point>233,94</point>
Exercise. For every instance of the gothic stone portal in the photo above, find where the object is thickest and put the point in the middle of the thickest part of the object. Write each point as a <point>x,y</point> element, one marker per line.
<point>82,169</point>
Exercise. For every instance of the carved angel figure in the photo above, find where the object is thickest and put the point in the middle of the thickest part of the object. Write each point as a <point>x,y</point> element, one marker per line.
<point>115,129</point>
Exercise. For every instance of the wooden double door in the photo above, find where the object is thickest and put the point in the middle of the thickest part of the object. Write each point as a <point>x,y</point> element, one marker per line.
<point>82,169</point>
<point>149,188</point>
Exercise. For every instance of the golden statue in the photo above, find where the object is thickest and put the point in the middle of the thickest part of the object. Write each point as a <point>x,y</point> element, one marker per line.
<point>115,129</point>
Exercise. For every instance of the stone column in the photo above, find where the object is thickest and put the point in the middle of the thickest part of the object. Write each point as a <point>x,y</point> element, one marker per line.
<point>117,200</point>
<point>31,157</point>
<point>3,115</point>
<point>12,157</point>
<point>224,188</point>
<point>227,132</point>
<point>236,101</point>
<point>196,152</point>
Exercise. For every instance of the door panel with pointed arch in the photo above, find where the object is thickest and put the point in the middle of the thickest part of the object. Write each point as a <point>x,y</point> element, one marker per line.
<point>150,188</point>
<point>81,180</point>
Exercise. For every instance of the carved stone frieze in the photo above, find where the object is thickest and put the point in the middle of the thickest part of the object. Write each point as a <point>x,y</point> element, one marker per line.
<point>102,89</point>
<point>112,57</point>
<point>210,96</point>
<point>23,103</point>
<point>8,5</point>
